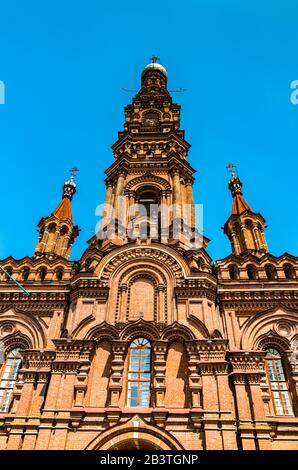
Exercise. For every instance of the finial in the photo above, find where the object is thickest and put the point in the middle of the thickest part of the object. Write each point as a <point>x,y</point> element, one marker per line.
<point>154,59</point>
<point>235,184</point>
<point>69,187</point>
<point>230,167</point>
<point>73,172</point>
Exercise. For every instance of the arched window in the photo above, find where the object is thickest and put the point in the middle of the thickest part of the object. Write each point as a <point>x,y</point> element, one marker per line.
<point>9,270</point>
<point>270,272</point>
<point>251,272</point>
<point>59,274</point>
<point>64,230</point>
<point>289,271</point>
<point>8,378</point>
<point>42,274</point>
<point>25,273</point>
<point>52,228</point>
<point>88,263</point>
<point>148,212</point>
<point>148,201</point>
<point>233,272</point>
<point>139,373</point>
<point>278,383</point>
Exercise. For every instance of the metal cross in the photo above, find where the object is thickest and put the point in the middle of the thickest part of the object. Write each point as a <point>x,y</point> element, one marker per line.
<point>73,171</point>
<point>154,59</point>
<point>230,167</point>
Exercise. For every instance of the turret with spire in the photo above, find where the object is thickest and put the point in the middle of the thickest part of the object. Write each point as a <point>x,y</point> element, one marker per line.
<point>245,228</point>
<point>57,232</point>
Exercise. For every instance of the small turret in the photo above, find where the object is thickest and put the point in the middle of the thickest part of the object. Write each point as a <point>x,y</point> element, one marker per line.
<point>244,227</point>
<point>57,232</point>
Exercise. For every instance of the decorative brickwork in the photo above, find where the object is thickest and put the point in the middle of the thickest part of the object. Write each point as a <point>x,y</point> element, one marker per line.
<point>220,367</point>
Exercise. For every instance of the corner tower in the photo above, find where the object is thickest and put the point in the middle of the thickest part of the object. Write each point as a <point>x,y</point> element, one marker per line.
<point>245,228</point>
<point>57,232</point>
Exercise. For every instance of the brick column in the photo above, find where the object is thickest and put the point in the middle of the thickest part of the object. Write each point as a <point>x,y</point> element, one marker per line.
<point>248,370</point>
<point>245,425</point>
<point>107,212</point>
<point>130,212</point>
<point>123,303</point>
<point>165,216</point>
<point>194,379</point>
<point>22,411</point>
<point>119,203</point>
<point>226,406</point>
<point>190,201</point>
<point>160,349</point>
<point>161,303</point>
<point>258,408</point>
<point>53,390</point>
<point>39,393</point>
<point>24,405</point>
<point>211,408</point>
<point>176,211</point>
<point>81,382</point>
<point>235,243</point>
<point>115,384</point>
<point>212,362</point>
<point>256,236</point>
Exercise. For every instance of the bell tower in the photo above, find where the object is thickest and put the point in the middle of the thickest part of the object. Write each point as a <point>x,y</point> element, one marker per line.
<point>244,227</point>
<point>57,232</point>
<point>149,194</point>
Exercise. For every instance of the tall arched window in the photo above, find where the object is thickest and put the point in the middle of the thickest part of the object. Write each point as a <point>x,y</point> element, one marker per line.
<point>233,272</point>
<point>9,270</point>
<point>42,273</point>
<point>148,209</point>
<point>8,378</point>
<point>251,272</point>
<point>278,383</point>
<point>59,274</point>
<point>25,273</point>
<point>139,373</point>
<point>270,272</point>
<point>289,271</point>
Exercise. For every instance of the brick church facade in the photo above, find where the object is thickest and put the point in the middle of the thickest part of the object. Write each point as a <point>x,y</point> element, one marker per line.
<point>144,343</point>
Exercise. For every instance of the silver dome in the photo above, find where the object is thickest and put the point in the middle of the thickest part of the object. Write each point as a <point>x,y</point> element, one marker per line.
<point>155,66</point>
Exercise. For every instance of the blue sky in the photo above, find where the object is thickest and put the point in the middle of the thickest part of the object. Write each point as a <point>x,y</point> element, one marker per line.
<point>64,64</point>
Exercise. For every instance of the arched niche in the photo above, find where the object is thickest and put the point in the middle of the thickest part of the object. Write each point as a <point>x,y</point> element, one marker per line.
<point>281,321</point>
<point>23,323</point>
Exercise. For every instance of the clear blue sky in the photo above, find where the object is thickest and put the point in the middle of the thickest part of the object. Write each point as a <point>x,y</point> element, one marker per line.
<point>64,64</point>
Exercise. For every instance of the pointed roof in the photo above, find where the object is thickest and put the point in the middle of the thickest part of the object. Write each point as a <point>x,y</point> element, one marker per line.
<point>63,210</point>
<point>239,205</point>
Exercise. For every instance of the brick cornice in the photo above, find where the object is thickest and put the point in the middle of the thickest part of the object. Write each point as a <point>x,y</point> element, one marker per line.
<point>37,360</point>
<point>247,362</point>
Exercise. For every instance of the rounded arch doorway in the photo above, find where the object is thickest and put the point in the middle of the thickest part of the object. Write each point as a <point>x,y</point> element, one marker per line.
<point>134,435</point>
